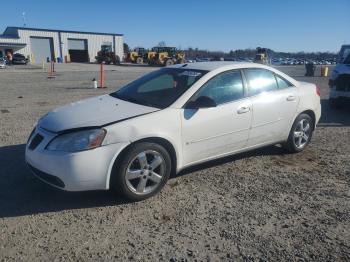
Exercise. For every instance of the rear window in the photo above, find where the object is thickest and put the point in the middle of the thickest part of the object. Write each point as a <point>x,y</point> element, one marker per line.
<point>282,83</point>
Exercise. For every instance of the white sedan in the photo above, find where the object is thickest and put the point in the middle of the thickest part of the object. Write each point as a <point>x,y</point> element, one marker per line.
<point>133,139</point>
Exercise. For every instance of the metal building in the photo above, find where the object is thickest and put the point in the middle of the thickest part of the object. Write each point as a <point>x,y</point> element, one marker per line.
<point>44,44</point>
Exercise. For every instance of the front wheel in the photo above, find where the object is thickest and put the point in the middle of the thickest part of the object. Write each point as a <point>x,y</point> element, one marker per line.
<point>143,171</point>
<point>300,134</point>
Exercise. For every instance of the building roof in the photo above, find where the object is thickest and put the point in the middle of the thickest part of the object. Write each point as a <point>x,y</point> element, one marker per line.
<point>12,31</point>
<point>13,44</point>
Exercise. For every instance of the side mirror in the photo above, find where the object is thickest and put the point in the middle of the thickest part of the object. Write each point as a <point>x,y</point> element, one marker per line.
<point>201,102</point>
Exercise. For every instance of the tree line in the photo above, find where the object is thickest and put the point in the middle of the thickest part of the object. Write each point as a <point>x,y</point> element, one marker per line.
<point>247,53</point>
<point>250,53</point>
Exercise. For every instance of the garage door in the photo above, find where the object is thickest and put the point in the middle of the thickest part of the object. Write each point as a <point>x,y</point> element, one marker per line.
<point>78,50</point>
<point>42,48</point>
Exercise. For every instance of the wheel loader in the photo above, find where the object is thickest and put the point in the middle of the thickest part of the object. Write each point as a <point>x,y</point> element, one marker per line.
<point>107,56</point>
<point>136,55</point>
<point>262,56</point>
<point>165,56</point>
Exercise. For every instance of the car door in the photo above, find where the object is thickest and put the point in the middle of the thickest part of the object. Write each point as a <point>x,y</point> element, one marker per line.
<point>273,107</point>
<point>214,131</point>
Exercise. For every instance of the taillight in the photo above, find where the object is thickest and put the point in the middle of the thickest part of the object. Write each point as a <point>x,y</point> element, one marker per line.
<point>318,90</point>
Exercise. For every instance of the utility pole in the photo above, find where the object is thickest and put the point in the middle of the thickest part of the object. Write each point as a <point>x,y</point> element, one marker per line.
<point>24,19</point>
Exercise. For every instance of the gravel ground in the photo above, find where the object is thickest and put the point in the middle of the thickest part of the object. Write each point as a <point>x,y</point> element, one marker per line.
<point>261,205</point>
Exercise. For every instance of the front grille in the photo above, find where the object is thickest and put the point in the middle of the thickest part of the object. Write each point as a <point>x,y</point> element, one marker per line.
<point>54,180</point>
<point>31,134</point>
<point>35,141</point>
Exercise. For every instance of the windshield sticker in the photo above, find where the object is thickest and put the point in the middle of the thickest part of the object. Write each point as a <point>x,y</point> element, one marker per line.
<point>190,73</point>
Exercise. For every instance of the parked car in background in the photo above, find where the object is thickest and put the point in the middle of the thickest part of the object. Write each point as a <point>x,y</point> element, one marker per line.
<point>190,60</point>
<point>133,139</point>
<point>2,63</point>
<point>339,82</point>
<point>19,59</point>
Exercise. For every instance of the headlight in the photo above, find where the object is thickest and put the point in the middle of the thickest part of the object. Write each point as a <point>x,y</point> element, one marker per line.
<point>77,141</point>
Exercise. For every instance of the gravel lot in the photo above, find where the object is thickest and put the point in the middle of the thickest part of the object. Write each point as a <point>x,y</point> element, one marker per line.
<point>264,204</point>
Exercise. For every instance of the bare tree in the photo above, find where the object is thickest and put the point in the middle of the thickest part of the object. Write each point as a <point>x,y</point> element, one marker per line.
<point>126,48</point>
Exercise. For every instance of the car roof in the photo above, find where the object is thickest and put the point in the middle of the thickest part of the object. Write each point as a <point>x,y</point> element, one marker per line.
<point>210,66</point>
<point>229,65</point>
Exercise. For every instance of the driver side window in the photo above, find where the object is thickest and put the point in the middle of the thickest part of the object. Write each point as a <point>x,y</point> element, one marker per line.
<point>223,88</point>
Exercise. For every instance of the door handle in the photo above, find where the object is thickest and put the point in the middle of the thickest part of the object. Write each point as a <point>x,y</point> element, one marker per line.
<point>291,98</point>
<point>243,109</point>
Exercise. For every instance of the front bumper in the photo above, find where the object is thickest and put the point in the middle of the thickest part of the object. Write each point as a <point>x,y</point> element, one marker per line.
<point>78,171</point>
<point>50,179</point>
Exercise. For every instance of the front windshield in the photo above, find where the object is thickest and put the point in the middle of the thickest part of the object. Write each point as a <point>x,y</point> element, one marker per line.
<point>347,59</point>
<point>160,88</point>
<point>344,55</point>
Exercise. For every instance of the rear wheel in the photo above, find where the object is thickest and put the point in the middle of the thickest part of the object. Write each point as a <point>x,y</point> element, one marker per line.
<point>300,134</point>
<point>139,60</point>
<point>143,171</point>
<point>169,62</point>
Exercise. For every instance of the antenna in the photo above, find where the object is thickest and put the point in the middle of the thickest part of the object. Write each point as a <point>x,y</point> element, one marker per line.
<point>24,19</point>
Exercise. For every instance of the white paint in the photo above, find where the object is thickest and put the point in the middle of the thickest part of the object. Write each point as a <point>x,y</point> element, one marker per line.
<point>100,111</point>
<point>197,136</point>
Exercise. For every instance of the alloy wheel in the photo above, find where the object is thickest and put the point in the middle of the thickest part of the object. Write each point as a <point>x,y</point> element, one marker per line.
<point>302,133</point>
<point>145,172</point>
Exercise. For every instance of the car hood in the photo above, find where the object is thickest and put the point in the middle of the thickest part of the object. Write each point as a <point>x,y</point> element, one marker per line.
<point>97,111</point>
<point>342,69</point>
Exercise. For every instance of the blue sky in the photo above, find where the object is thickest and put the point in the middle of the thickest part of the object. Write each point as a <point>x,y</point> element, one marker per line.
<point>284,25</point>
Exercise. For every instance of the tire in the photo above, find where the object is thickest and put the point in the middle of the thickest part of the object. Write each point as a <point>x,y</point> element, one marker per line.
<point>169,62</point>
<point>300,134</point>
<point>139,60</point>
<point>137,182</point>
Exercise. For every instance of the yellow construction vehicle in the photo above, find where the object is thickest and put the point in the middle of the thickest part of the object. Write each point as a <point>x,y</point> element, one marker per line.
<point>165,56</point>
<point>150,57</point>
<point>136,55</point>
<point>261,56</point>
